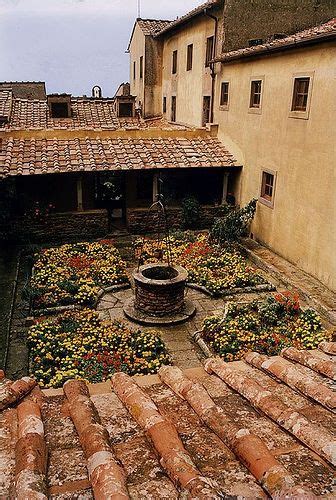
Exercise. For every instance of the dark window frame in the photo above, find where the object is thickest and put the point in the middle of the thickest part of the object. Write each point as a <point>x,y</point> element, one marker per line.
<point>173,109</point>
<point>134,70</point>
<point>267,188</point>
<point>164,104</point>
<point>174,62</point>
<point>224,94</point>
<point>256,93</point>
<point>301,93</point>
<point>141,67</point>
<point>190,56</point>
<point>210,44</point>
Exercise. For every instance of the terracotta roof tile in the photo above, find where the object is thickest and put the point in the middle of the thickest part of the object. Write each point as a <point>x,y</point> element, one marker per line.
<point>39,156</point>
<point>233,432</point>
<point>193,13</point>
<point>311,360</point>
<point>93,114</point>
<point>318,33</point>
<point>152,26</point>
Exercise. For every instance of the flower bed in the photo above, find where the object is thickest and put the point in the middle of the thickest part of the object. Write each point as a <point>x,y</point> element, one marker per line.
<point>218,269</point>
<point>73,274</point>
<point>266,327</point>
<point>77,344</point>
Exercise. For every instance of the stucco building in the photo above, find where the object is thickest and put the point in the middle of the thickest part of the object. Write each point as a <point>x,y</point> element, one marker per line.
<point>269,88</point>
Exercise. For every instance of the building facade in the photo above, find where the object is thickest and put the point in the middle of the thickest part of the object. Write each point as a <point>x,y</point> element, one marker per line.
<point>269,88</point>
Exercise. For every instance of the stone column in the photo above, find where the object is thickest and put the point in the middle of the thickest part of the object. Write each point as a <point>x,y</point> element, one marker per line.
<point>225,187</point>
<point>155,187</point>
<point>80,194</point>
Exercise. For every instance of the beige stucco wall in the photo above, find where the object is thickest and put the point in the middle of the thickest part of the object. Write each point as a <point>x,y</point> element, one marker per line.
<point>188,86</point>
<point>137,49</point>
<point>302,152</point>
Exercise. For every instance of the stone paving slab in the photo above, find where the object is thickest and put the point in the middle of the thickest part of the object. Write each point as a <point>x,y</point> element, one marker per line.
<point>315,293</point>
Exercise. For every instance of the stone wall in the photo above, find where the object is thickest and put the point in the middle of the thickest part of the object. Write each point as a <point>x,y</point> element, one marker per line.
<point>140,221</point>
<point>245,20</point>
<point>57,227</point>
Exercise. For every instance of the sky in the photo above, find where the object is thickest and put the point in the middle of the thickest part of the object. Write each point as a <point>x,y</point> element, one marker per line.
<point>74,44</point>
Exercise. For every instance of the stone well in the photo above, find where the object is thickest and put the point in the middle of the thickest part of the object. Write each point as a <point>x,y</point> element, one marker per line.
<point>159,295</point>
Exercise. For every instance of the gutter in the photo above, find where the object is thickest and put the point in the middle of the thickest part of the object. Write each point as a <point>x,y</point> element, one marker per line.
<point>212,64</point>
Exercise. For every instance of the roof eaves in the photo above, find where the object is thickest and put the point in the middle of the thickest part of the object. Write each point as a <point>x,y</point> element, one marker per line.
<point>265,49</point>
<point>187,17</point>
<point>145,34</point>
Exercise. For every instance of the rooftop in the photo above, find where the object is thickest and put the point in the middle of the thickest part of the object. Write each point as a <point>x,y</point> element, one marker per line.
<point>26,156</point>
<point>235,429</point>
<point>187,17</point>
<point>152,26</point>
<point>316,34</point>
<point>87,113</point>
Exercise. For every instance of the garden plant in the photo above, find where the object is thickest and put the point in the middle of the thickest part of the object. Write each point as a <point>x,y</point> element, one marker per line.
<point>77,344</point>
<point>73,273</point>
<point>264,326</point>
<point>214,267</point>
<point>233,223</point>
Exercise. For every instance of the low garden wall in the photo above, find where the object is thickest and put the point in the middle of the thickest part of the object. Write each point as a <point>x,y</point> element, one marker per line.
<point>140,220</point>
<point>55,227</point>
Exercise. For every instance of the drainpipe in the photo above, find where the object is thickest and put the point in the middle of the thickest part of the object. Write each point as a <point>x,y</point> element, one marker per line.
<point>212,64</point>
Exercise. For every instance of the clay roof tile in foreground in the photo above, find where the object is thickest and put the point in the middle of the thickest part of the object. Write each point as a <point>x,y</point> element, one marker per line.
<point>316,34</point>
<point>52,155</point>
<point>245,429</point>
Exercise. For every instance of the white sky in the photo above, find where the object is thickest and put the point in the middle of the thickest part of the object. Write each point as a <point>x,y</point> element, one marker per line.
<point>74,44</point>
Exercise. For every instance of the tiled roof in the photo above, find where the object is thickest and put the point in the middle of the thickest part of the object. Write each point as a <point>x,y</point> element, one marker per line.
<point>87,113</point>
<point>152,26</point>
<point>42,156</point>
<point>6,98</point>
<point>263,427</point>
<point>193,13</point>
<point>316,34</point>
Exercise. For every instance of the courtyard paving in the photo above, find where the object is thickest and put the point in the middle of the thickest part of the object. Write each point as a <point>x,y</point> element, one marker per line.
<point>184,351</point>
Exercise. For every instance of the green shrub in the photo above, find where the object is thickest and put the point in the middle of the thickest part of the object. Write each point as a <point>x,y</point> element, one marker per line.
<point>233,223</point>
<point>191,213</point>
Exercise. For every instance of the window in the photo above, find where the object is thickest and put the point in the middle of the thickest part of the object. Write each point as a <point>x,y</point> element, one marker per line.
<point>164,105</point>
<point>206,110</point>
<point>255,99</point>
<point>173,108</point>
<point>190,50</point>
<point>141,66</point>
<point>300,94</point>
<point>267,188</point>
<point>224,96</point>
<point>209,50</point>
<point>174,62</point>
<point>59,110</point>
<point>125,109</point>
<point>134,70</point>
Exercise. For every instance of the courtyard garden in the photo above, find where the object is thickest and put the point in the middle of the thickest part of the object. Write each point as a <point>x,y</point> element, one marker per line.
<point>265,326</point>
<point>220,269</point>
<point>77,344</point>
<point>74,273</point>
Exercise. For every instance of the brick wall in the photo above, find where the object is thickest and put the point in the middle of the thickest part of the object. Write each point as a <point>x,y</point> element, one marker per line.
<point>57,227</point>
<point>141,221</point>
